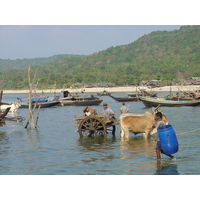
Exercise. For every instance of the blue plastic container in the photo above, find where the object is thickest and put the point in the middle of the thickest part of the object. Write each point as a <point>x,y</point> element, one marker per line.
<point>39,99</point>
<point>168,139</point>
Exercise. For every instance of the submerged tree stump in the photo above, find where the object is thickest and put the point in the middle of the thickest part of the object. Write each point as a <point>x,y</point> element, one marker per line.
<point>30,123</point>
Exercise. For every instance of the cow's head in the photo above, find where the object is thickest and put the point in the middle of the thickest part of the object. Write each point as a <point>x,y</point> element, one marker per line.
<point>164,118</point>
<point>155,110</point>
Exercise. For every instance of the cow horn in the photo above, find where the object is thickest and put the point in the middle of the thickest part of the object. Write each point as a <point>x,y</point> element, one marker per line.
<point>156,108</point>
<point>152,110</point>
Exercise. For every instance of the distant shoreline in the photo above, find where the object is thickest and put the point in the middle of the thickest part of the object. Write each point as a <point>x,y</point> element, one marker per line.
<point>111,89</point>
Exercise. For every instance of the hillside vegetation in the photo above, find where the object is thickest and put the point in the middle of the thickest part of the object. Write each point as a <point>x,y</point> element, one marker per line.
<point>23,63</point>
<point>165,55</point>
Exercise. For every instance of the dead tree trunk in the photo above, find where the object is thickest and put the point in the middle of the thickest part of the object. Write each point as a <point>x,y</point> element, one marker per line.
<point>31,109</point>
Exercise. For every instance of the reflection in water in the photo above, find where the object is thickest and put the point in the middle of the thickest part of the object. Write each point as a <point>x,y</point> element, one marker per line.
<point>166,169</point>
<point>97,150</point>
<point>33,136</point>
<point>135,152</point>
<point>137,146</point>
<point>2,122</point>
<point>56,149</point>
<point>4,143</point>
<point>95,143</point>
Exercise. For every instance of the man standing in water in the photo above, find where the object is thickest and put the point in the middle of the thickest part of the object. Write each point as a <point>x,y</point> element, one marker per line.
<point>108,111</point>
<point>124,109</point>
<point>159,123</point>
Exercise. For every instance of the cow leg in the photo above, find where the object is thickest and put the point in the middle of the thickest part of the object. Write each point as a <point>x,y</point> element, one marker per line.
<point>124,132</point>
<point>147,133</point>
<point>127,134</point>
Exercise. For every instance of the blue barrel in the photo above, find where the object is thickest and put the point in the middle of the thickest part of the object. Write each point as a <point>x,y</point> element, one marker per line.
<point>168,139</point>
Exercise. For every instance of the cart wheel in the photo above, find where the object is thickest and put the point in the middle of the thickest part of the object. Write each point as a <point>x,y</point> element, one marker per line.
<point>92,126</point>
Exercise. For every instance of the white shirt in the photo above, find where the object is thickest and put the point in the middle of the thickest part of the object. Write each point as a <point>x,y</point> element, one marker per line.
<point>107,111</point>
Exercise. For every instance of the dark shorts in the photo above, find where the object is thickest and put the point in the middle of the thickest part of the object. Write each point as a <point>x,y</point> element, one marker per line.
<point>158,146</point>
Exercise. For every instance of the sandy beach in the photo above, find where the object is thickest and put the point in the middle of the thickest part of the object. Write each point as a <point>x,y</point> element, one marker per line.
<point>189,88</point>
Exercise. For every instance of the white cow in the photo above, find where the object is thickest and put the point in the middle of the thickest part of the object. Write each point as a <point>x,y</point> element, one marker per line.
<point>13,107</point>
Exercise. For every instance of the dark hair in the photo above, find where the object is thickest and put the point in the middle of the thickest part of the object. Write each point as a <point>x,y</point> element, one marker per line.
<point>159,114</point>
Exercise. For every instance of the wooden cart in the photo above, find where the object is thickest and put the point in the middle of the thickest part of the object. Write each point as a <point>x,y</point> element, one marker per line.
<point>95,125</point>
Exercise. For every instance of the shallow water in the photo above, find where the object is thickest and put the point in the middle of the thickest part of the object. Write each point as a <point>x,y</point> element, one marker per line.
<point>55,147</point>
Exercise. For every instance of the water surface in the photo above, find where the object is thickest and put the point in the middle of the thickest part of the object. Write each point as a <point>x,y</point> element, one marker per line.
<point>55,147</point>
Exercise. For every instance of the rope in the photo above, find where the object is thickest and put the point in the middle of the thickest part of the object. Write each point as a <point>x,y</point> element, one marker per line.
<point>188,132</point>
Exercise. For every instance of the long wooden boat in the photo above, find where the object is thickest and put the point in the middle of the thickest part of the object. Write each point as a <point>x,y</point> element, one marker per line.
<point>25,105</point>
<point>125,99</point>
<point>80,102</point>
<point>104,93</point>
<point>179,99</point>
<point>141,93</point>
<point>133,94</point>
<point>78,98</point>
<point>149,102</point>
<point>43,104</point>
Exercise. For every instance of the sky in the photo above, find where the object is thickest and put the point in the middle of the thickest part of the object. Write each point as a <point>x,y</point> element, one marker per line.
<point>30,29</point>
<point>31,41</point>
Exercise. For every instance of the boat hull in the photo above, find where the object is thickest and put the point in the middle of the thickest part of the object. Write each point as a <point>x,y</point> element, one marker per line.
<point>149,102</point>
<point>26,105</point>
<point>43,104</point>
<point>81,103</point>
<point>125,99</point>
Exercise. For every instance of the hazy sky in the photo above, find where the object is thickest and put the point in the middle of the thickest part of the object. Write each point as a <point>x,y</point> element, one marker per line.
<point>30,41</point>
<point>30,29</point>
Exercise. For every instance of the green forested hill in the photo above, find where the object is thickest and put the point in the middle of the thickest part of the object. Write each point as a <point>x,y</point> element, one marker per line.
<point>23,63</point>
<point>165,55</point>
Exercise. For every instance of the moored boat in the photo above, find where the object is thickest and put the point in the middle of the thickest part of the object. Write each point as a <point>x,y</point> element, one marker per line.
<point>141,93</point>
<point>80,102</point>
<point>150,102</point>
<point>125,99</point>
<point>133,94</point>
<point>43,104</point>
<point>104,93</point>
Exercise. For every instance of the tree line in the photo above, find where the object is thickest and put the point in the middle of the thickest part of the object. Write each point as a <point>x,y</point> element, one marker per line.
<point>165,55</point>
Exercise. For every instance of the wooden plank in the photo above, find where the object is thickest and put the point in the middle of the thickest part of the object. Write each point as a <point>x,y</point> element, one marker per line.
<point>79,118</point>
<point>115,124</point>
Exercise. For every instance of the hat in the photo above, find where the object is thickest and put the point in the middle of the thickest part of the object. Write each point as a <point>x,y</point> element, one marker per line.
<point>105,104</point>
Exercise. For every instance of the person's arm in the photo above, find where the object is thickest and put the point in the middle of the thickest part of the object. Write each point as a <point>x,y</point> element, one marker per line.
<point>154,126</point>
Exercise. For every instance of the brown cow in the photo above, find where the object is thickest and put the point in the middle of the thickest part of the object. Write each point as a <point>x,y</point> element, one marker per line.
<point>138,123</point>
